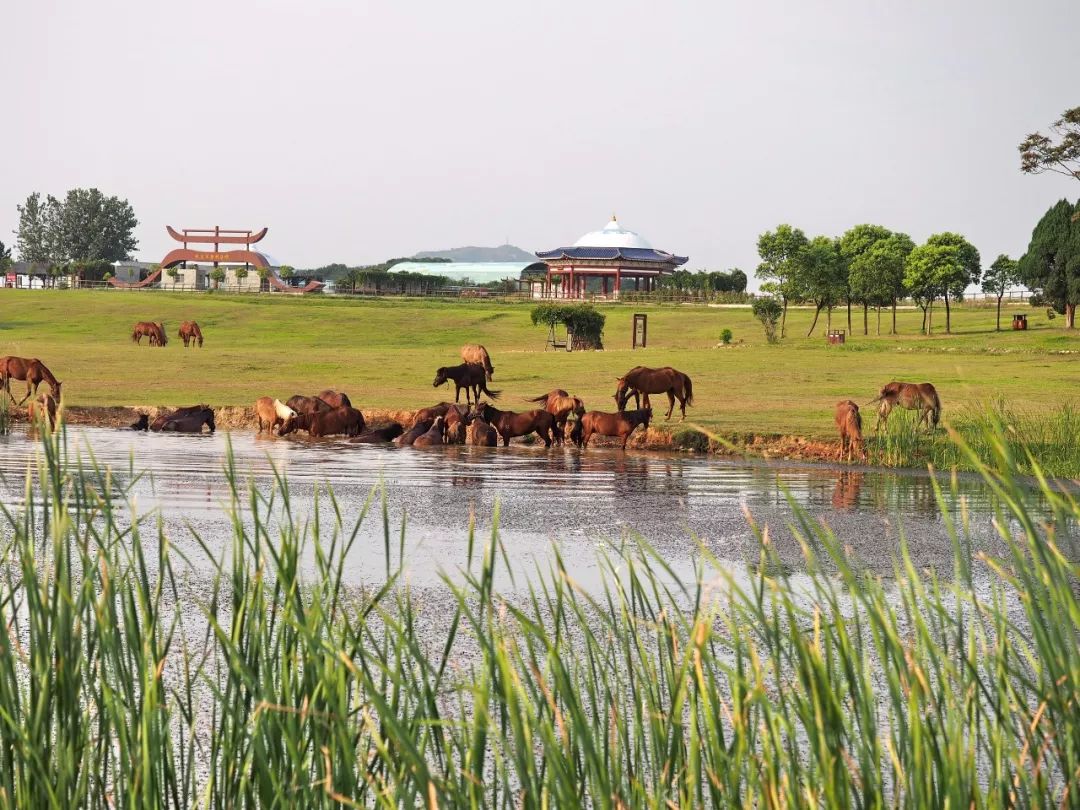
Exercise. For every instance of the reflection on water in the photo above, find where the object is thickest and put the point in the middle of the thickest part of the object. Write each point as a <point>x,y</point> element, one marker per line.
<point>560,495</point>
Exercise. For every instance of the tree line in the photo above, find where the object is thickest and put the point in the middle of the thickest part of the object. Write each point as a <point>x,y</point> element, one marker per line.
<point>704,281</point>
<point>84,226</point>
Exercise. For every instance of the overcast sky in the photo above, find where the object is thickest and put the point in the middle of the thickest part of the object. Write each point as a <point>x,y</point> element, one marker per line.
<point>360,131</point>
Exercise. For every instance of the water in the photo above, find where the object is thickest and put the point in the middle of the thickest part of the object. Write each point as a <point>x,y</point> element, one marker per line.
<point>546,499</point>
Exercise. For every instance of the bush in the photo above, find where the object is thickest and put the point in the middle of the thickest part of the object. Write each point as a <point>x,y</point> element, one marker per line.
<point>768,311</point>
<point>581,320</point>
<point>725,337</point>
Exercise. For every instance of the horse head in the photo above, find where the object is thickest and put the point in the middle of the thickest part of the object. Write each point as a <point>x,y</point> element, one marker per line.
<point>440,377</point>
<point>579,407</point>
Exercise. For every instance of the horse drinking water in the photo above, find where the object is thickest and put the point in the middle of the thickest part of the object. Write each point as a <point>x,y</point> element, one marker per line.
<point>921,397</point>
<point>849,423</point>
<point>643,380</point>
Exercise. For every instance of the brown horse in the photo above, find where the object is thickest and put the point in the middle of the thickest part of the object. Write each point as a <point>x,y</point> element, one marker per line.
<point>190,332</point>
<point>191,410</point>
<point>302,404</point>
<point>849,423</point>
<point>475,353</point>
<point>642,380</point>
<point>335,399</point>
<point>190,423</point>
<point>43,407</point>
<point>434,435</point>
<point>560,405</point>
<point>412,434</point>
<point>386,433</point>
<point>429,414</point>
<point>483,434</point>
<point>470,376</point>
<point>510,424</point>
<point>147,329</point>
<point>343,420</point>
<point>921,397</point>
<point>620,424</point>
<point>32,371</point>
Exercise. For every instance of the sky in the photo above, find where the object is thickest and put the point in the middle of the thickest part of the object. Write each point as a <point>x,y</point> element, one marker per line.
<point>361,131</point>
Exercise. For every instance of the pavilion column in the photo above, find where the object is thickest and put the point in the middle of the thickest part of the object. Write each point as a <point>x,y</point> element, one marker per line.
<point>637,283</point>
<point>618,280</point>
<point>605,285</point>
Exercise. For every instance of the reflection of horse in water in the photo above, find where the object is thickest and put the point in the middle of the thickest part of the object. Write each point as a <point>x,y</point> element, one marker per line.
<point>846,492</point>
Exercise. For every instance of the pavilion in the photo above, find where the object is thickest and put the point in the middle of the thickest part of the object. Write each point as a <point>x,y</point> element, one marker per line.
<point>603,262</point>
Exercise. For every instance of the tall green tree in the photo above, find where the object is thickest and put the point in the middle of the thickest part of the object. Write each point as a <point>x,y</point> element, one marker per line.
<point>780,252</point>
<point>1041,153</point>
<point>822,277</point>
<point>1051,265</point>
<point>33,238</point>
<point>1003,274</point>
<point>5,258</point>
<point>85,226</point>
<point>855,244</point>
<point>925,271</point>
<point>962,273</point>
<point>876,275</point>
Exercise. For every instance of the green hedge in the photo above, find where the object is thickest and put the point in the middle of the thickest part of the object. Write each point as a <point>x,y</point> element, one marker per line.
<point>581,320</point>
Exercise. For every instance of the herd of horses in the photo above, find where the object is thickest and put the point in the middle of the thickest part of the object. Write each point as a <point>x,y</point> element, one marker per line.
<point>331,413</point>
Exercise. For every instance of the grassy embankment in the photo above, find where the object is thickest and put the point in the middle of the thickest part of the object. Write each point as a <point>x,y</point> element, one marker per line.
<point>121,687</point>
<point>384,354</point>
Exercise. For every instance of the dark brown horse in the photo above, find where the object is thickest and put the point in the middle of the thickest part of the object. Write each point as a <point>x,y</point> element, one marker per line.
<point>335,399</point>
<point>921,397</point>
<point>470,376</point>
<point>190,423</point>
<point>429,414</point>
<point>482,434</point>
<point>645,381</point>
<point>434,435</point>
<point>142,423</point>
<point>412,434</point>
<point>338,421</point>
<point>191,410</point>
<point>190,333</point>
<point>620,424</point>
<point>510,424</point>
<point>560,405</point>
<point>849,423</point>
<point>475,353</point>
<point>387,433</point>
<point>32,371</point>
<point>302,404</point>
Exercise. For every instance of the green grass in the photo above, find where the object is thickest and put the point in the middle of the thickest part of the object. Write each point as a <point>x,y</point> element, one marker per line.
<point>832,689</point>
<point>384,354</point>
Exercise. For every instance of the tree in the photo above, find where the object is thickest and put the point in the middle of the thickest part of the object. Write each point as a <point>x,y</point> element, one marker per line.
<point>855,244</point>
<point>172,273</point>
<point>85,226</point>
<point>1039,153</point>
<point>876,275</point>
<point>286,272</point>
<point>964,271</point>
<point>217,275</point>
<point>1001,275</point>
<point>738,280</point>
<point>822,276</point>
<point>241,273</point>
<point>768,310</point>
<point>5,258</point>
<point>780,252</point>
<point>32,236</point>
<point>928,272</point>
<point>1051,265</point>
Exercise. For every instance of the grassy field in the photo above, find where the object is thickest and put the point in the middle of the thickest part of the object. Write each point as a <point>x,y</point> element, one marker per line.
<point>384,354</point>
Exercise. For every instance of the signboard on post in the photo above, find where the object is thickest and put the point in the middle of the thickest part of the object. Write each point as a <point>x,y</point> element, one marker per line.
<point>640,330</point>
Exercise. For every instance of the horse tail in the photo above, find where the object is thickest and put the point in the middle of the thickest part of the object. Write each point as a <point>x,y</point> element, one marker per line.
<point>492,394</point>
<point>541,398</point>
<point>688,388</point>
<point>935,406</point>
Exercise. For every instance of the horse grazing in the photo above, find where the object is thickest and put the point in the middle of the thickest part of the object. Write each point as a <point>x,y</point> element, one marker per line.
<point>921,397</point>
<point>475,353</point>
<point>142,423</point>
<point>272,413</point>
<point>302,404</point>
<point>434,435</point>
<point>483,434</point>
<point>190,332</point>
<point>470,376</point>
<point>560,405</point>
<point>849,423</point>
<point>147,329</point>
<point>386,433</point>
<point>620,424</point>
<point>191,422</point>
<point>32,371</point>
<point>510,424</point>
<point>412,434</point>
<point>642,380</point>
<point>335,399</point>
<point>191,410</point>
<point>338,421</point>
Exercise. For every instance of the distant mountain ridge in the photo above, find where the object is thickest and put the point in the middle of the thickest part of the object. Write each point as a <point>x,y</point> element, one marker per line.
<point>502,253</point>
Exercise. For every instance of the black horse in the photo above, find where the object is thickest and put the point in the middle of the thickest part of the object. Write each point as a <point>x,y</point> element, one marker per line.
<point>470,376</point>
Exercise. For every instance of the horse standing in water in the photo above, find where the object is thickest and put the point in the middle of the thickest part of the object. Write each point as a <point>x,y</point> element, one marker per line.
<point>335,399</point>
<point>475,353</point>
<point>272,413</point>
<point>510,424</point>
<point>645,381</point>
<point>190,332</point>
<point>849,423</point>
<point>560,405</point>
<point>620,424</point>
<point>470,376</point>
<point>190,422</point>
<point>921,397</point>
<point>32,371</point>
<point>182,414</point>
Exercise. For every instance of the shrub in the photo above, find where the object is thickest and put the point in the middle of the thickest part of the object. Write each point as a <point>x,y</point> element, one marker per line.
<point>581,320</point>
<point>768,311</point>
<point>725,337</point>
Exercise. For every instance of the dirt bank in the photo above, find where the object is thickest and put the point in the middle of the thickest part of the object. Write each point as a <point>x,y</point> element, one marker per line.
<point>676,437</point>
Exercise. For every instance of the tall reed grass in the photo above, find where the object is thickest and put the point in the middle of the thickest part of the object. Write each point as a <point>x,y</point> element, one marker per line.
<point>260,676</point>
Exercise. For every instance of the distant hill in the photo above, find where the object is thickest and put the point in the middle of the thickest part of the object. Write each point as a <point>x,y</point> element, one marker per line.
<point>503,253</point>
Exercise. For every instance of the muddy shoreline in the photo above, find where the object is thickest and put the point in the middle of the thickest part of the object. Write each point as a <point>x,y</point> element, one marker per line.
<point>676,437</point>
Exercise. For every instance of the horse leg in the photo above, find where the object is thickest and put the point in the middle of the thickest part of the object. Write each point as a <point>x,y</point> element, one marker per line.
<point>671,405</point>
<point>546,436</point>
<point>31,389</point>
<point>506,439</point>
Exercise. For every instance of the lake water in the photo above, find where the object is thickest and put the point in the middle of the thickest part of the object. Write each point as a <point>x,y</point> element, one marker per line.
<point>577,502</point>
